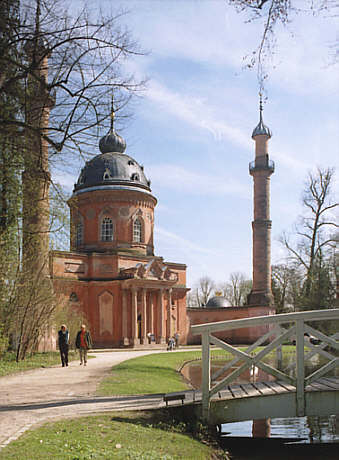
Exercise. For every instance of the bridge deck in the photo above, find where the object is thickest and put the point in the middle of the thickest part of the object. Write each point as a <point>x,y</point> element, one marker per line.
<point>260,400</point>
<point>276,387</point>
<point>256,389</point>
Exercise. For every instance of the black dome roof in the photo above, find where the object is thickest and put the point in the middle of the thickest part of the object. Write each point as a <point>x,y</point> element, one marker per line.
<point>112,142</point>
<point>112,169</point>
<point>217,302</point>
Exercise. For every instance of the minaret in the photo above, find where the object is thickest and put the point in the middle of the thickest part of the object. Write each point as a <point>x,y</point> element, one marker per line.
<point>36,175</point>
<point>261,169</point>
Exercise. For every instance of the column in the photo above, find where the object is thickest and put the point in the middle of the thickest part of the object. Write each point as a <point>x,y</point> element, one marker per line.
<point>161,337</point>
<point>144,317</point>
<point>169,331</point>
<point>134,319</point>
<point>125,340</point>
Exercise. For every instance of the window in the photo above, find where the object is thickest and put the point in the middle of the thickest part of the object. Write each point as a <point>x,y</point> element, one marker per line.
<point>81,179</point>
<point>135,176</point>
<point>137,227</point>
<point>107,175</point>
<point>106,229</point>
<point>73,297</point>
<point>79,233</point>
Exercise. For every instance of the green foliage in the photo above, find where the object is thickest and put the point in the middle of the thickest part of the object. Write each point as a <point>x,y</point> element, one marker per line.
<point>3,342</point>
<point>11,162</point>
<point>126,437</point>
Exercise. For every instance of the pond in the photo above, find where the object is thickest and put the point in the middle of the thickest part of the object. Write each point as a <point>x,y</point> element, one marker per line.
<point>275,435</point>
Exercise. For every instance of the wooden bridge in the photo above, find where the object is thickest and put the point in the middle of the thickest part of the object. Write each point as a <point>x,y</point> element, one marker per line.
<point>287,393</point>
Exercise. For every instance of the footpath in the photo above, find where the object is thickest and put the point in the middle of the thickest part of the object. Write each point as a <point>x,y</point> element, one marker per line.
<point>46,394</point>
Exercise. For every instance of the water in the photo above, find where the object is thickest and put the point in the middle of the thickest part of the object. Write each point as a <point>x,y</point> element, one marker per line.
<point>300,429</point>
<point>300,437</point>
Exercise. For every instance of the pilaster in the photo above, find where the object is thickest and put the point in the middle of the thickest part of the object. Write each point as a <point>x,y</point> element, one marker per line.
<point>143,317</point>
<point>169,332</point>
<point>125,339</point>
<point>161,337</point>
<point>134,318</point>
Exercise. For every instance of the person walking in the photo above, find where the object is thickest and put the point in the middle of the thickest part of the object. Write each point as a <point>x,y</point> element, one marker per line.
<point>176,338</point>
<point>83,342</point>
<point>170,344</point>
<point>63,342</point>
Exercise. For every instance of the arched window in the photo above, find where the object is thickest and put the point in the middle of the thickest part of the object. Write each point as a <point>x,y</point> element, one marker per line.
<point>135,176</point>
<point>79,233</point>
<point>137,231</point>
<point>106,229</point>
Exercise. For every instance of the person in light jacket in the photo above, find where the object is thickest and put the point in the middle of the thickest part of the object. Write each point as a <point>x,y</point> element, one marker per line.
<point>83,342</point>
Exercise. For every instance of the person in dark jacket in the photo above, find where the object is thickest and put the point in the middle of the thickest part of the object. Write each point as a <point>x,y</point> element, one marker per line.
<point>63,341</point>
<point>83,342</point>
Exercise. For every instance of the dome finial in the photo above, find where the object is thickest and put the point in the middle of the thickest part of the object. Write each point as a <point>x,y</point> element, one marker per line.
<point>112,142</point>
<point>261,129</point>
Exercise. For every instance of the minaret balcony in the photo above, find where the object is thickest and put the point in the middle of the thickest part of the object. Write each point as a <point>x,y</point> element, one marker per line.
<point>261,165</point>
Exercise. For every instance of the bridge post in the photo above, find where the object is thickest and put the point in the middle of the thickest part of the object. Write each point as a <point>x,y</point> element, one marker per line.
<point>206,375</point>
<point>300,368</point>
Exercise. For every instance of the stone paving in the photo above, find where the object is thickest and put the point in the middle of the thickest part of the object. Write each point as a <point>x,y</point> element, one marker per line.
<point>32,397</point>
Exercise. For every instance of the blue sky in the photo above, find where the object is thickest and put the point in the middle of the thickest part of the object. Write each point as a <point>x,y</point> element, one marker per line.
<point>191,129</point>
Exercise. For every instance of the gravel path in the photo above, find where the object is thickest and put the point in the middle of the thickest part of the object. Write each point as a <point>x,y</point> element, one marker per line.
<point>32,397</point>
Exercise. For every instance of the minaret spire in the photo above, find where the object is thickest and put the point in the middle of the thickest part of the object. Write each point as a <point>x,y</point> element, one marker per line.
<point>112,112</point>
<point>260,107</point>
<point>261,169</point>
<point>261,128</point>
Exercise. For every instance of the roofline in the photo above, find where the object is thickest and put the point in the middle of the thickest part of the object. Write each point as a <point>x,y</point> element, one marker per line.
<point>117,186</point>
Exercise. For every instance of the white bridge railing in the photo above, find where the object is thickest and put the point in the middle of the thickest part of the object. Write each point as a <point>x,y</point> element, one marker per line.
<point>277,335</point>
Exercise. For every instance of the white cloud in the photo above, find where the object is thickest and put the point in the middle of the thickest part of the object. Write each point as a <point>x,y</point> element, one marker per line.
<point>197,112</point>
<point>214,35</point>
<point>179,242</point>
<point>303,60</point>
<point>179,178</point>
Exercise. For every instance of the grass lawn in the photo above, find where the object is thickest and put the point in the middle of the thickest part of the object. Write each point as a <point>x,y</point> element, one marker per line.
<point>126,436</point>
<point>156,373</point>
<point>8,365</point>
<point>149,374</point>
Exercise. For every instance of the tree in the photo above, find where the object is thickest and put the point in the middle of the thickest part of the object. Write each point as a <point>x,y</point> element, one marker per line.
<point>202,292</point>
<point>287,282</point>
<point>237,289</point>
<point>272,13</point>
<point>11,161</point>
<point>85,57</point>
<point>313,247</point>
<point>57,76</point>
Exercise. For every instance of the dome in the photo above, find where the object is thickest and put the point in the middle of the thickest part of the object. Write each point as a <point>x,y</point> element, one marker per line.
<point>217,302</point>
<point>261,129</point>
<point>112,169</point>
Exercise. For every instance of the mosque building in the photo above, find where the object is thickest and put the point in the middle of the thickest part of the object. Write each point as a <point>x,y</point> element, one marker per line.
<point>129,296</point>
